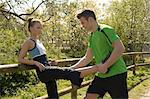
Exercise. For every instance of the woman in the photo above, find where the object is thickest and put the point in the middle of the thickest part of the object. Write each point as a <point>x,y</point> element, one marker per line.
<point>45,72</point>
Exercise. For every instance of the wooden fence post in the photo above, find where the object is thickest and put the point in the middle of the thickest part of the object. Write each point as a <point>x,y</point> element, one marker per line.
<point>74,92</point>
<point>134,63</point>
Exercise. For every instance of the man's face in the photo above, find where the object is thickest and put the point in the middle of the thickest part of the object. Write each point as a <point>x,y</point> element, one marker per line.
<point>85,23</point>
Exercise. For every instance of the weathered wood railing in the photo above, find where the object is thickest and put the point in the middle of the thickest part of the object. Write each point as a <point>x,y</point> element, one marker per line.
<point>68,62</point>
<point>21,67</point>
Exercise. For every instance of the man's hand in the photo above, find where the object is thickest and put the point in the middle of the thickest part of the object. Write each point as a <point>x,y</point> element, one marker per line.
<point>102,68</point>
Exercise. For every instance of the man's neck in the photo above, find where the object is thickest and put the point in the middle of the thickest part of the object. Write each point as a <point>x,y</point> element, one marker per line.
<point>94,27</point>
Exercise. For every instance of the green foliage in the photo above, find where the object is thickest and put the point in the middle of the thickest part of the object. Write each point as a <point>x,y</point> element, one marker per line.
<point>11,82</point>
<point>130,19</point>
<point>60,32</point>
<point>141,72</point>
<point>32,92</point>
<point>63,31</point>
<point>11,37</point>
<point>64,38</point>
<point>11,42</point>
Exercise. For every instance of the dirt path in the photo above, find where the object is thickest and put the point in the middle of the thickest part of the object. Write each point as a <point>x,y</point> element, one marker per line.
<point>146,95</point>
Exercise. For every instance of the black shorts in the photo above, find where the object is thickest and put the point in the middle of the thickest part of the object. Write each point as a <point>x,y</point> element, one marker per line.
<point>116,86</point>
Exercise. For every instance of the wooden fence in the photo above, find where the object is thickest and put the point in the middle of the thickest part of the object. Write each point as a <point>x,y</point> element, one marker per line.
<point>68,62</point>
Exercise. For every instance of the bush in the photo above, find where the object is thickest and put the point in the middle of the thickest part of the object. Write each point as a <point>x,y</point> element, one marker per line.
<point>11,82</point>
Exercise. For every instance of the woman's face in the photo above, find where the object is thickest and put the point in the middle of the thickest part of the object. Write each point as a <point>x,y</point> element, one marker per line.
<point>36,29</point>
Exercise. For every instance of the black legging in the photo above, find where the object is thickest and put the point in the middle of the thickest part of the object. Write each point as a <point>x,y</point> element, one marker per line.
<point>51,87</point>
<point>51,73</point>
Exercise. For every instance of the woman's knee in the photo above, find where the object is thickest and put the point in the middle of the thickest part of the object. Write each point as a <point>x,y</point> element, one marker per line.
<point>43,77</point>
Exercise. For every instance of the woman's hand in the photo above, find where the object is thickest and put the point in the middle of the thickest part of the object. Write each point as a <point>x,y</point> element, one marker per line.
<point>40,66</point>
<point>53,62</point>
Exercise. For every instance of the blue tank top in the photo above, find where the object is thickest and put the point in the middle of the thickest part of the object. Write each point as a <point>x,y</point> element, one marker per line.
<point>38,49</point>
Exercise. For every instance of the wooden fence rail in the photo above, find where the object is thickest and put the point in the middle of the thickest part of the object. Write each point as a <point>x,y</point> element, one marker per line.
<point>21,67</point>
<point>67,62</point>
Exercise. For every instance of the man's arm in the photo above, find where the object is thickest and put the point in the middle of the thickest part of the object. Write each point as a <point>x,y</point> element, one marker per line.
<point>84,60</point>
<point>116,53</point>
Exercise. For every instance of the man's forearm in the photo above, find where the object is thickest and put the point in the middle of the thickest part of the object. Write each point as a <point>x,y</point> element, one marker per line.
<point>115,55</point>
<point>82,62</point>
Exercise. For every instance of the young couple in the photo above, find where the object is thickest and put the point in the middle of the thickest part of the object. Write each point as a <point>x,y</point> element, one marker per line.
<point>104,45</point>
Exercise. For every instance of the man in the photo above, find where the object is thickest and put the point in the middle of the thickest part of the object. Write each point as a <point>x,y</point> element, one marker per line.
<point>106,47</point>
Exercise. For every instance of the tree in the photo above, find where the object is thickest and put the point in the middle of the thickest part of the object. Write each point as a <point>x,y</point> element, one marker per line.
<point>64,29</point>
<point>131,20</point>
<point>8,8</point>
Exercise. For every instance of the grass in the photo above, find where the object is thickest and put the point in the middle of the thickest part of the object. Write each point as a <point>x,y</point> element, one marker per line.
<point>37,90</point>
<point>147,59</point>
<point>139,90</point>
<point>30,93</point>
<point>135,93</point>
<point>80,94</point>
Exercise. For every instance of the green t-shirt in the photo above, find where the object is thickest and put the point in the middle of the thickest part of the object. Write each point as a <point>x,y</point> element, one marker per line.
<point>101,47</point>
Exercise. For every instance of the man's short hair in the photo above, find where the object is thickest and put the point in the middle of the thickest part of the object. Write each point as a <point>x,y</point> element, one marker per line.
<point>86,14</point>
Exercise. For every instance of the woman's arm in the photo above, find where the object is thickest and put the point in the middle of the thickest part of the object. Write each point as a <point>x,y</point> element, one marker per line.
<point>23,52</point>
